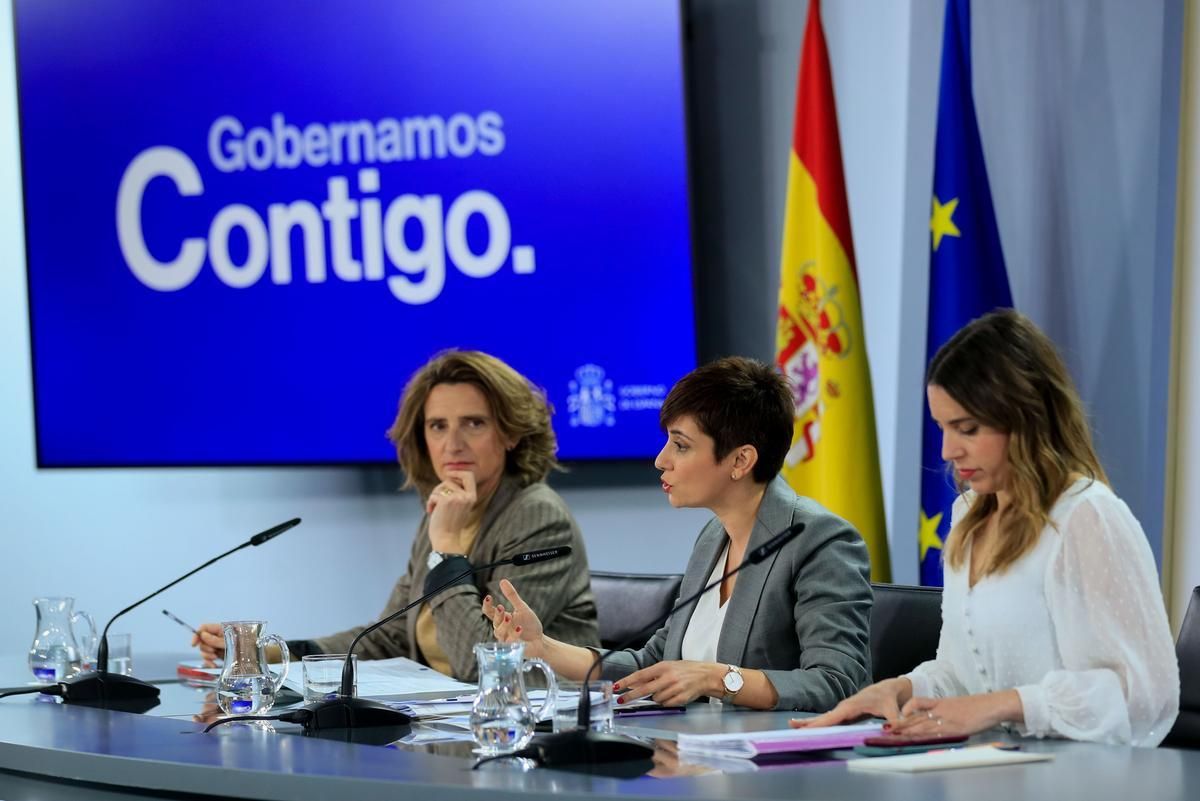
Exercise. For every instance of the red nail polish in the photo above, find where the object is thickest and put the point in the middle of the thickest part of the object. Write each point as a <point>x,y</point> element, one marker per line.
<point>621,700</point>
<point>616,686</point>
<point>887,726</point>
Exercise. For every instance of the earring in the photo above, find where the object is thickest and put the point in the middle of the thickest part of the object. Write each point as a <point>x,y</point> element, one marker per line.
<point>734,475</point>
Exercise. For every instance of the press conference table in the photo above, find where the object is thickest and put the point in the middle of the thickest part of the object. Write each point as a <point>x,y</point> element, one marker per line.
<point>51,750</point>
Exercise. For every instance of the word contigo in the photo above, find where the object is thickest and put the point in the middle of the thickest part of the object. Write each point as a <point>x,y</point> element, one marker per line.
<point>420,272</point>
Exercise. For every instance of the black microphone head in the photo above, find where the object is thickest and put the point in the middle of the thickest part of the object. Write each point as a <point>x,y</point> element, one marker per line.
<point>775,543</point>
<point>529,557</point>
<point>274,531</point>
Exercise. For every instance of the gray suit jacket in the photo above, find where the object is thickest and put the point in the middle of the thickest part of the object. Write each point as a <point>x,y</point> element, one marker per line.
<point>802,616</point>
<point>517,519</point>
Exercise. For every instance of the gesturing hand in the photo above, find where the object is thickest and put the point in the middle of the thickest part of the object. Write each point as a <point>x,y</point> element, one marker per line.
<point>449,508</point>
<point>881,700</point>
<point>672,683</point>
<point>521,624</point>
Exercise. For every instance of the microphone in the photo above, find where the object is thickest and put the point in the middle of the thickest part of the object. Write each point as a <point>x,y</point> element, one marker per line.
<point>270,534</point>
<point>101,688</point>
<point>348,712</point>
<point>583,748</point>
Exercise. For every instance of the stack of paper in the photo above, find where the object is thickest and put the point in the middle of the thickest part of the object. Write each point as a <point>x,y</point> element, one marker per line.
<point>970,757</point>
<point>459,708</point>
<point>747,745</point>
<point>389,677</point>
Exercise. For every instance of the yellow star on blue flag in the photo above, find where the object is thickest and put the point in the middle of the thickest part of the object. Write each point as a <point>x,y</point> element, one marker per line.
<point>942,222</point>
<point>928,539</point>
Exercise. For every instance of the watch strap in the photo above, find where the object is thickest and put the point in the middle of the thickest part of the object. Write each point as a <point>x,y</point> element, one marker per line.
<point>452,565</point>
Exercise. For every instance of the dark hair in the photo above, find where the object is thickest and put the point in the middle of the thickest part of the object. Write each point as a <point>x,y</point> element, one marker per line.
<point>737,401</point>
<point>520,409</point>
<point>1007,374</point>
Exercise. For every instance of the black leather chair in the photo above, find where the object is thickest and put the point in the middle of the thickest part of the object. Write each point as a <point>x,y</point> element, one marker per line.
<point>1186,731</point>
<point>905,625</point>
<point>628,602</point>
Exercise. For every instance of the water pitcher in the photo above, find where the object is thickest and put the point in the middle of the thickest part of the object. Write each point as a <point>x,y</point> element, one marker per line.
<point>247,685</point>
<point>502,718</point>
<point>57,652</point>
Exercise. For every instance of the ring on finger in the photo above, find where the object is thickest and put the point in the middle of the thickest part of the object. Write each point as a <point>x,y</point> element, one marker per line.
<point>939,721</point>
<point>929,714</point>
<point>447,491</point>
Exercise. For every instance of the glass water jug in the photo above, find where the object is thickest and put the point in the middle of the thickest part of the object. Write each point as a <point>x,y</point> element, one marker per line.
<point>247,685</point>
<point>502,719</point>
<point>57,652</point>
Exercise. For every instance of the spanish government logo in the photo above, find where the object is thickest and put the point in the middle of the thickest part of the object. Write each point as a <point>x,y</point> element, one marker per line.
<point>813,330</point>
<point>591,401</point>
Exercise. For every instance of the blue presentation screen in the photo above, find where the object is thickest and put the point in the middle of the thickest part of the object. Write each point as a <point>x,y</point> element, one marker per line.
<point>249,223</point>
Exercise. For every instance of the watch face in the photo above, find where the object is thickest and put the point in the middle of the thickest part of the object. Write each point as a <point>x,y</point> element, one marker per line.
<point>733,681</point>
<point>434,560</point>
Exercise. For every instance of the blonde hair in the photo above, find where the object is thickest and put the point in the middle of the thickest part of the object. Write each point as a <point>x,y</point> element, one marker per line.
<point>519,408</point>
<point>1007,374</point>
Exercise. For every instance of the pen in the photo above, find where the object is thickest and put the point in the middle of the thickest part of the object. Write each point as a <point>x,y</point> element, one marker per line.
<point>180,622</point>
<point>637,713</point>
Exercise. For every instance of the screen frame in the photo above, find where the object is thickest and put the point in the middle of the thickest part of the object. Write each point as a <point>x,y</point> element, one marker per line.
<point>607,468</point>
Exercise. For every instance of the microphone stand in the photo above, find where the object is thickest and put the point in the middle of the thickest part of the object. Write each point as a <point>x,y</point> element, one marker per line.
<point>347,711</point>
<point>101,688</point>
<point>582,748</point>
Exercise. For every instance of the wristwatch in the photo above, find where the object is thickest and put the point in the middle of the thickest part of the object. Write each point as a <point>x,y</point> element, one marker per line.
<point>733,681</point>
<point>436,558</point>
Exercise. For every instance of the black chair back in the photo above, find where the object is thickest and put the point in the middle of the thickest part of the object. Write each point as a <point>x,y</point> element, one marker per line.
<point>627,602</point>
<point>1186,731</point>
<point>905,625</point>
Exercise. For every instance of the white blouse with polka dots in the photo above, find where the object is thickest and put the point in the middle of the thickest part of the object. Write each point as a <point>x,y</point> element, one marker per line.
<point>1077,626</point>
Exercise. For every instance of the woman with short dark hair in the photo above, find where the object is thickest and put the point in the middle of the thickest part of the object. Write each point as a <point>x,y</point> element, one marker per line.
<point>788,633</point>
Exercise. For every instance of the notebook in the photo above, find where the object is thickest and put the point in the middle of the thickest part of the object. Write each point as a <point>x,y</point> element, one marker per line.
<point>950,759</point>
<point>748,745</point>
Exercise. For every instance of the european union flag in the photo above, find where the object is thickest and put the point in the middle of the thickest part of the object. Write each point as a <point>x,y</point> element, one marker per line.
<point>966,265</point>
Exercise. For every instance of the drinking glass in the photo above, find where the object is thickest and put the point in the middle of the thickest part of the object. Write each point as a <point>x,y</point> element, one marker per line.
<point>120,654</point>
<point>566,708</point>
<point>323,676</point>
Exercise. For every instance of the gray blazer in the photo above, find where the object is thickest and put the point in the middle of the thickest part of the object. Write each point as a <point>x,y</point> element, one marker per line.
<point>517,519</point>
<point>802,616</point>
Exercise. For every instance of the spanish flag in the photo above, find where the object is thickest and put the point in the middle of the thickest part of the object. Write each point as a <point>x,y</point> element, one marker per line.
<point>820,345</point>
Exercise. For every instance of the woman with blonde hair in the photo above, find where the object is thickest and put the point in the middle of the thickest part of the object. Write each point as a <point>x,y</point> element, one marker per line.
<point>1052,618</point>
<point>473,437</point>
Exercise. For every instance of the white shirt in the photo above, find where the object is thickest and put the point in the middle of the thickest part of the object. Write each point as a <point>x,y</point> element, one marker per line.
<point>1077,626</point>
<point>704,629</point>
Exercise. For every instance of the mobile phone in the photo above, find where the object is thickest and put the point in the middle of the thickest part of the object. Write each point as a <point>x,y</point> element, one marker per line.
<point>905,740</point>
<point>878,750</point>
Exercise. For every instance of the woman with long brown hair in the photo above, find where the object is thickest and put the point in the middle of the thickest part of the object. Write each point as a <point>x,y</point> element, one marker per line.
<point>473,437</point>
<point>1052,619</point>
